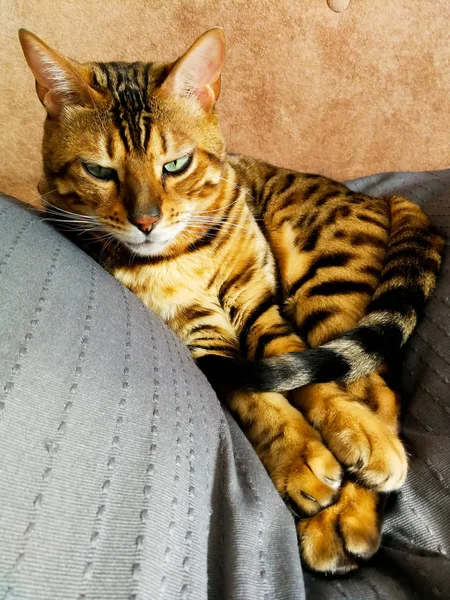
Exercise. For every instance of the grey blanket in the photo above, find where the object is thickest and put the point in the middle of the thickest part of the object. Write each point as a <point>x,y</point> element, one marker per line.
<point>123,478</point>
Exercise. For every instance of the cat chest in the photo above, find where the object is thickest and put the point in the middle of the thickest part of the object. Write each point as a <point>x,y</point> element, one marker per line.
<point>167,289</point>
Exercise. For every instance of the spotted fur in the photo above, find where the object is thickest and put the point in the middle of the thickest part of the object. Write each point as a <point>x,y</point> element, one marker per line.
<point>275,280</point>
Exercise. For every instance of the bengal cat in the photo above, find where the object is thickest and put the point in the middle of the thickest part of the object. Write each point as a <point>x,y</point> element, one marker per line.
<point>274,279</point>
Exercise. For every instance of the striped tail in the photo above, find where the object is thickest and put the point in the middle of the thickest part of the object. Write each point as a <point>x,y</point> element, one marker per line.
<point>413,261</point>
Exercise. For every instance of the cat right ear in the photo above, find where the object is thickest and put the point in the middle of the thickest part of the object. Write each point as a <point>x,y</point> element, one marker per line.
<point>197,72</point>
<point>59,81</point>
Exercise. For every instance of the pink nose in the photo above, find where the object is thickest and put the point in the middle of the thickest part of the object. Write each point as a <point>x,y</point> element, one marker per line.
<point>145,223</point>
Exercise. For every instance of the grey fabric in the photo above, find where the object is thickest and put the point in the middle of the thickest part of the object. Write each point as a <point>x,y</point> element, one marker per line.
<point>121,476</point>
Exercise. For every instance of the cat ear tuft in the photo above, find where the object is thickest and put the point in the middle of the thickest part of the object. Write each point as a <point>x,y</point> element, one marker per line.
<point>197,72</point>
<point>59,81</point>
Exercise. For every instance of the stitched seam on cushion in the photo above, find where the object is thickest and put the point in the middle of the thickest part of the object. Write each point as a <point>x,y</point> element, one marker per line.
<point>174,504</point>
<point>437,324</point>
<point>438,352</point>
<point>240,464</point>
<point>413,414</point>
<point>186,564</point>
<point>357,187</point>
<point>435,590</point>
<point>54,445</point>
<point>185,591</point>
<point>14,245</point>
<point>417,182</point>
<point>23,350</point>
<point>436,474</point>
<point>151,463</point>
<point>444,301</point>
<point>407,543</point>
<point>422,520</point>
<point>110,462</point>
<point>437,175</point>
<point>441,376</point>
<point>434,397</point>
<point>208,466</point>
<point>420,184</point>
<point>340,589</point>
<point>222,466</point>
<point>409,192</point>
<point>370,584</point>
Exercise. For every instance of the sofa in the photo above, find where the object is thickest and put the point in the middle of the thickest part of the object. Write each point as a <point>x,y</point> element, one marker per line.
<point>121,474</point>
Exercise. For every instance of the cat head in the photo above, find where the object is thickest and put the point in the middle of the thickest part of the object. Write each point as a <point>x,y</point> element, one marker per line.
<point>134,150</point>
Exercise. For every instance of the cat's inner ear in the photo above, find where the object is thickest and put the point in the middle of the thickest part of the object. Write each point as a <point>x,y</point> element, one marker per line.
<point>59,81</point>
<point>197,72</point>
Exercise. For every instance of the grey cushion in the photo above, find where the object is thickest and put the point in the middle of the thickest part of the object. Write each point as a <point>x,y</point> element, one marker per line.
<point>122,477</point>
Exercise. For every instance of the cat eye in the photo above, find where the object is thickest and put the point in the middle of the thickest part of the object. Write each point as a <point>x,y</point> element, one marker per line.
<point>177,166</point>
<point>100,172</point>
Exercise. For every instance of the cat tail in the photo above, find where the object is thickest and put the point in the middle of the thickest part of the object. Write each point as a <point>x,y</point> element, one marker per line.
<point>413,261</point>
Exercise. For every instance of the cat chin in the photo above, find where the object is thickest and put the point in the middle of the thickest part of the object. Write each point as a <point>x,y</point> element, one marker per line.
<point>148,248</point>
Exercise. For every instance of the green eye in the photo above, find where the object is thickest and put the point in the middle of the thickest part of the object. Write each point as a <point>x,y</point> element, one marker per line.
<point>99,172</point>
<point>179,165</point>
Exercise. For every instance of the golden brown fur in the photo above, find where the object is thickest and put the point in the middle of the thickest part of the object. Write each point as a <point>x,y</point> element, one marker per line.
<point>260,262</point>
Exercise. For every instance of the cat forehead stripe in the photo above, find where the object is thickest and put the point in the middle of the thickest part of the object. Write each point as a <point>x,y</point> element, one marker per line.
<point>128,85</point>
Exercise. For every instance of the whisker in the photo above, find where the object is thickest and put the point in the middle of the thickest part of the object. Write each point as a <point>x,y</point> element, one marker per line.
<point>108,236</point>
<point>219,223</point>
<point>199,212</point>
<point>33,192</point>
<point>239,187</point>
<point>70,215</point>
<point>113,241</point>
<point>236,219</point>
<point>68,221</point>
<point>206,235</point>
<point>50,206</point>
<point>215,227</point>
<point>40,196</point>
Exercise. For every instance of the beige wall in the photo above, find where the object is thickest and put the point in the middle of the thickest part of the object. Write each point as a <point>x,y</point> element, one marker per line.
<point>343,94</point>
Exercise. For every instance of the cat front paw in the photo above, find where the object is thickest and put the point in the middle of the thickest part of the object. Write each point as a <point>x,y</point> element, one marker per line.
<point>363,440</point>
<point>304,471</point>
<point>337,539</point>
<point>367,447</point>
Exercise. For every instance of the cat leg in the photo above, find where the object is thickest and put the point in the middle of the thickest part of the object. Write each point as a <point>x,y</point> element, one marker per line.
<point>359,421</point>
<point>301,467</point>
<point>359,425</point>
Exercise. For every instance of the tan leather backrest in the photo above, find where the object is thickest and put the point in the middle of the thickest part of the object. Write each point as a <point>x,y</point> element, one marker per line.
<point>343,93</point>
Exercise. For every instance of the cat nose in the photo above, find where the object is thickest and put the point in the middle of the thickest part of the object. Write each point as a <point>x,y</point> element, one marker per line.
<point>146,223</point>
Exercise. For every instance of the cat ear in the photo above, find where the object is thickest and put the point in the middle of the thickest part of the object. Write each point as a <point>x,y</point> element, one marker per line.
<point>59,81</point>
<point>197,72</point>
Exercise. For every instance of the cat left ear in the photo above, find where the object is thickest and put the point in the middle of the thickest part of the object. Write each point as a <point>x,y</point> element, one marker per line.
<point>59,81</point>
<point>197,72</point>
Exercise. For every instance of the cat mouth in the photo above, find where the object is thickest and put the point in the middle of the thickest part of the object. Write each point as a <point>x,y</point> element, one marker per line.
<point>147,247</point>
<point>148,243</point>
